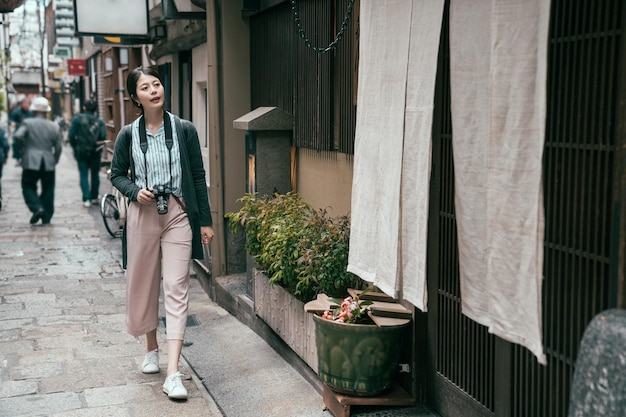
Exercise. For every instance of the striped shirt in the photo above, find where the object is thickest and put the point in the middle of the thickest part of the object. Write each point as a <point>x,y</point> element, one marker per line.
<point>158,159</point>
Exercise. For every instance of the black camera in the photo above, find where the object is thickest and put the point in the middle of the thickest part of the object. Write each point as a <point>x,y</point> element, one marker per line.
<point>161,195</point>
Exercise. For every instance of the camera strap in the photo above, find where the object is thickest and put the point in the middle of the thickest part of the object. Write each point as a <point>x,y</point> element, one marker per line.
<point>180,202</point>
<point>143,141</point>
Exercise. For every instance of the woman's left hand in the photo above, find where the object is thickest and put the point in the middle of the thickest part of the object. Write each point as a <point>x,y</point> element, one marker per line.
<point>206,233</point>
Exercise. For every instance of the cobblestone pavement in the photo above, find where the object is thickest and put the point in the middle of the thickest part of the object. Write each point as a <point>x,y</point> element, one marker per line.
<point>64,351</point>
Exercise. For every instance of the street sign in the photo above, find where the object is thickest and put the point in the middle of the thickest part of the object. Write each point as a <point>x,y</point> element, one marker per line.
<point>62,52</point>
<point>121,40</point>
<point>77,67</point>
<point>59,73</point>
<point>67,78</point>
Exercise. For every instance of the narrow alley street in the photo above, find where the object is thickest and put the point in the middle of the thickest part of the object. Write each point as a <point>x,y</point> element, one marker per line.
<point>63,346</point>
<point>64,350</point>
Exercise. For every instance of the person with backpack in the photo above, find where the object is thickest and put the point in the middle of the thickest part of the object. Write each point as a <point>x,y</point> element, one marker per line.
<point>16,117</point>
<point>87,134</point>
<point>4,156</point>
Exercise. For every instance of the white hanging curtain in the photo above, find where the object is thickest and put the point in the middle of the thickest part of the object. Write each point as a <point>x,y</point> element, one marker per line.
<point>498,60</point>
<point>498,75</point>
<point>399,43</point>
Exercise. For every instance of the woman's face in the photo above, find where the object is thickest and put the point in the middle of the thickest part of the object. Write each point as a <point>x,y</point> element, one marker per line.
<point>149,92</point>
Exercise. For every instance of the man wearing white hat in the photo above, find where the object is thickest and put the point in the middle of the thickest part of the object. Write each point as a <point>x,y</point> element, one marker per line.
<point>41,143</point>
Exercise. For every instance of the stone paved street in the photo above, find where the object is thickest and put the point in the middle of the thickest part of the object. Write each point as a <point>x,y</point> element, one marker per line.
<point>64,351</point>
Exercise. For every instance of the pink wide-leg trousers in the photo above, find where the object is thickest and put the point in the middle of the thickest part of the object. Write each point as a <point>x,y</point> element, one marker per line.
<point>157,246</point>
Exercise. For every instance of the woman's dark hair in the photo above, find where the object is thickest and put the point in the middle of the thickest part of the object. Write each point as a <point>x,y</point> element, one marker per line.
<point>133,76</point>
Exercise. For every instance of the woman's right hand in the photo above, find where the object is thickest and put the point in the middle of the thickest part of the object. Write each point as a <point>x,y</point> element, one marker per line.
<point>145,196</point>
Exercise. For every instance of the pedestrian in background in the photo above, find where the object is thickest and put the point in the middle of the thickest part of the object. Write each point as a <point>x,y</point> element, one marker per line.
<point>16,117</point>
<point>4,157</point>
<point>168,219</point>
<point>41,144</point>
<point>87,135</point>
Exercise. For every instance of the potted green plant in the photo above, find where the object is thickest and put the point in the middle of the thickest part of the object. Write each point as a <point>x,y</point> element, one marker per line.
<point>356,356</point>
<point>303,250</point>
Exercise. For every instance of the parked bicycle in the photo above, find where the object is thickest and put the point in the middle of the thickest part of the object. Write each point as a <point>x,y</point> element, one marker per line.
<point>113,207</point>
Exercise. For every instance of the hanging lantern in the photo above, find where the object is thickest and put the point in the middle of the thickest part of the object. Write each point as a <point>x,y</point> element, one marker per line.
<point>7,6</point>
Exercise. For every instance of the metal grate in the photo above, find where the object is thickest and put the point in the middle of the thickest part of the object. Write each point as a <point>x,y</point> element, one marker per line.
<point>586,46</point>
<point>318,89</point>
<point>272,59</point>
<point>313,110</point>
<point>584,50</point>
<point>345,84</point>
<point>464,349</point>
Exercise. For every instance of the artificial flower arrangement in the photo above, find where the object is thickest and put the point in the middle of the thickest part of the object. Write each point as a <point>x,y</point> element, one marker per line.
<point>350,310</point>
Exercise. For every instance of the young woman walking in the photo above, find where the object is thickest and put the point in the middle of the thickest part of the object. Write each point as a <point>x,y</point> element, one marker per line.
<point>168,220</point>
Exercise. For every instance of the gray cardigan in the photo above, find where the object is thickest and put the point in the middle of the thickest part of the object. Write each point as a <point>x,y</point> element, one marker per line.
<point>193,179</point>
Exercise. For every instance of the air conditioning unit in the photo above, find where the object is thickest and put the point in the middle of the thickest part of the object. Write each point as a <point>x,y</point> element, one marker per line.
<point>64,13</point>
<point>67,4</point>
<point>67,41</point>
<point>65,31</point>
<point>59,23</point>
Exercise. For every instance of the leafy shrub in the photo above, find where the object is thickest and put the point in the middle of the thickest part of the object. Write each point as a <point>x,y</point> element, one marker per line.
<point>303,250</point>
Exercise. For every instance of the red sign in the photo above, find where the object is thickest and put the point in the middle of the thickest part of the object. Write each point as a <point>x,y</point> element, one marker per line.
<point>77,67</point>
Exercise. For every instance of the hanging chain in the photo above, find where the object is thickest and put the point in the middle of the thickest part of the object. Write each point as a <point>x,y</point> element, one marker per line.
<point>307,41</point>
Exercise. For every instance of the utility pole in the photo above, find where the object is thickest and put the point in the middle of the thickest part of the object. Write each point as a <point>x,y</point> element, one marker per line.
<point>6,61</point>
<point>42,36</point>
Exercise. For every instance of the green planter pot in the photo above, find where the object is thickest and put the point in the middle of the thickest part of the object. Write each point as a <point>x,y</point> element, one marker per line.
<point>357,359</point>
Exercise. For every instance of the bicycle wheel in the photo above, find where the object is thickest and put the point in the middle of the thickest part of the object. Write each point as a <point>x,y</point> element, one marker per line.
<point>110,215</point>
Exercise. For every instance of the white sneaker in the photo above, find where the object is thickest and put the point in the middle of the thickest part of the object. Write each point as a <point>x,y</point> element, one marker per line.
<point>174,388</point>
<point>86,204</point>
<point>150,363</point>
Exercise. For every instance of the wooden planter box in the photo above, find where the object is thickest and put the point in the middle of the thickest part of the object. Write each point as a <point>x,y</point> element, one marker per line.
<point>285,314</point>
